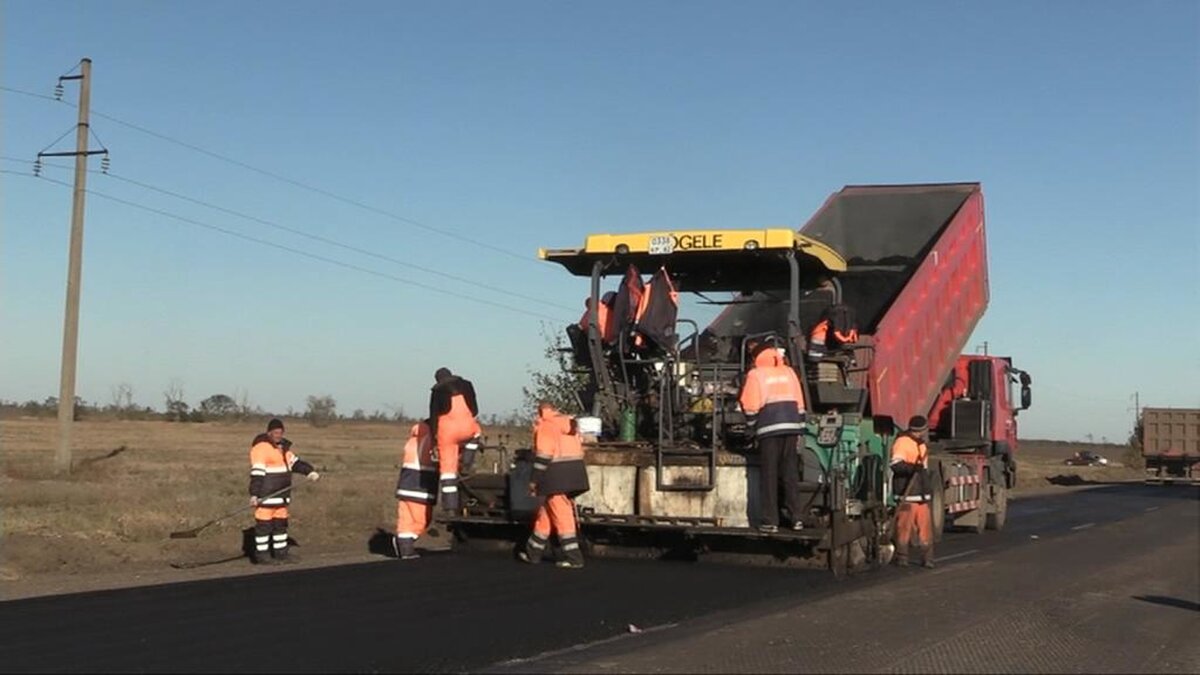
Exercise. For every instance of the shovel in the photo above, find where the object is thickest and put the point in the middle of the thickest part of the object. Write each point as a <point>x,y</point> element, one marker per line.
<point>192,533</point>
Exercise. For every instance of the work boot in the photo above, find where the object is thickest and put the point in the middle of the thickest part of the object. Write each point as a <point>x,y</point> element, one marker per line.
<point>768,529</point>
<point>534,549</point>
<point>283,557</point>
<point>406,549</point>
<point>263,558</point>
<point>572,555</point>
<point>927,557</point>
<point>901,559</point>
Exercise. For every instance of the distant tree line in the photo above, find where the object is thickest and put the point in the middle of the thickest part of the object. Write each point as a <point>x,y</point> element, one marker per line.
<point>319,411</point>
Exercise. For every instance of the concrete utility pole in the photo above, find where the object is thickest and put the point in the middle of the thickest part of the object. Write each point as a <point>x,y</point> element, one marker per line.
<point>66,390</point>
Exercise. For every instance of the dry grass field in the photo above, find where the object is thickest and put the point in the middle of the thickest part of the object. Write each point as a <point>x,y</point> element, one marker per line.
<point>135,482</point>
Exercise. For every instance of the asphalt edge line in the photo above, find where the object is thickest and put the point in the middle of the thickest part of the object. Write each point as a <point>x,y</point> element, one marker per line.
<point>583,646</point>
<point>956,555</point>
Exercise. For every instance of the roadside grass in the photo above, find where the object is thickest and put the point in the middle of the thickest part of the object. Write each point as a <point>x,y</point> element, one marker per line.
<point>135,482</point>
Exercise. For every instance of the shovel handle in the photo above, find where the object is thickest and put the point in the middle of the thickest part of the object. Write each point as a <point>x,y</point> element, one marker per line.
<point>187,534</point>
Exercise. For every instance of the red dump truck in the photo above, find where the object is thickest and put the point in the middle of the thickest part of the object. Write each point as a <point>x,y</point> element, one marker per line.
<point>673,463</point>
<point>917,274</point>
<point>1170,439</point>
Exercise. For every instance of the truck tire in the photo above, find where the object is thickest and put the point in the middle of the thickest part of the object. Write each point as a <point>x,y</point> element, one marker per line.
<point>999,511</point>
<point>937,508</point>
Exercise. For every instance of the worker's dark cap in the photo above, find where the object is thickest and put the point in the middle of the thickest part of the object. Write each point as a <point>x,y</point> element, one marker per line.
<point>442,374</point>
<point>274,424</point>
<point>917,424</point>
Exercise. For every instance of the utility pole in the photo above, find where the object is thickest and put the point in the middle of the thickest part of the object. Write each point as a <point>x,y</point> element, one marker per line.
<point>66,390</point>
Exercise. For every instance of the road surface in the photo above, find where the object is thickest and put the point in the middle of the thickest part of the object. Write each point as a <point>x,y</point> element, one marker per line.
<point>1105,579</point>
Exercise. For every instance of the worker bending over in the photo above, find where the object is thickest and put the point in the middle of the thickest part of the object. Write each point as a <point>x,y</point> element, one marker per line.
<point>416,490</point>
<point>559,476</point>
<point>452,411</point>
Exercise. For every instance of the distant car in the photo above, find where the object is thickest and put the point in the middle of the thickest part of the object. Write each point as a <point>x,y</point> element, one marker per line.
<point>1086,458</point>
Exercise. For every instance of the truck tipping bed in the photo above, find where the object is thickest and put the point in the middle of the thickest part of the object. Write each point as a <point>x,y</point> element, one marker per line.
<point>916,274</point>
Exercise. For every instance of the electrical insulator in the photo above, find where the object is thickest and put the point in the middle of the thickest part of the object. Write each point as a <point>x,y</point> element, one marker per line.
<point>104,163</point>
<point>58,91</point>
<point>37,167</point>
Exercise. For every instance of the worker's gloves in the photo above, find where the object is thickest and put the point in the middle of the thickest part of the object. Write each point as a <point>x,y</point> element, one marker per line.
<point>314,476</point>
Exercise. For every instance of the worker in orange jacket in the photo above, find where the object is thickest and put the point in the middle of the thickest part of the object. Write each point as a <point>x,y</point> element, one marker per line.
<point>272,463</point>
<point>559,476</point>
<point>773,402</point>
<point>416,490</point>
<point>911,485</point>
<point>602,315</point>
<point>452,411</point>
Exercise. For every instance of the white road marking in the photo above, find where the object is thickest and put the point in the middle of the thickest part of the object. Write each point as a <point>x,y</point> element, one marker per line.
<point>1151,508</point>
<point>1030,511</point>
<point>956,555</point>
<point>1083,526</point>
<point>583,646</point>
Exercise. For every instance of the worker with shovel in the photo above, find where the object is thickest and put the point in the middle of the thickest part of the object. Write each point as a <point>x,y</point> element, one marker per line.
<point>271,465</point>
<point>910,475</point>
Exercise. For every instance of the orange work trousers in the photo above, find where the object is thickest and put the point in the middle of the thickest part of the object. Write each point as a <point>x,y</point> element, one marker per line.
<point>912,516</point>
<point>412,518</point>
<point>270,512</point>
<point>557,515</point>
<point>452,432</point>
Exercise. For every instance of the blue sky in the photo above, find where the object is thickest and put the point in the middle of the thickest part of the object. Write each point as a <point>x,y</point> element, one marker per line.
<point>525,124</point>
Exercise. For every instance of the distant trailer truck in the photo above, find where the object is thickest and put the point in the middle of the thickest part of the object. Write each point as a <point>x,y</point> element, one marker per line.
<point>1171,445</point>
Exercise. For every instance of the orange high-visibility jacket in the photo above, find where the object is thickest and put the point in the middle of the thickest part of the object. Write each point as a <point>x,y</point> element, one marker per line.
<point>418,480</point>
<point>772,398</point>
<point>558,466</point>
<point>910,462</point>
<point>271,468</point>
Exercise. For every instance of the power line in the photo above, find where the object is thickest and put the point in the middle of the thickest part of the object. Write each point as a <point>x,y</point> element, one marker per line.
<point>314,237</point>
<point>290,181</point>
<point>289,249</point>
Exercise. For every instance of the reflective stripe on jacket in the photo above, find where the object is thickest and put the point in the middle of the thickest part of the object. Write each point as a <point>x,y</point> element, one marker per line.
<point>558,466</point>
<point>271,468</point>
<point>772,398</point>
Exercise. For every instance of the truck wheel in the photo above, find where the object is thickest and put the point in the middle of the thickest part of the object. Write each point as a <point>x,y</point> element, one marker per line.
<point>937,508</point>
<point>999,513</point>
